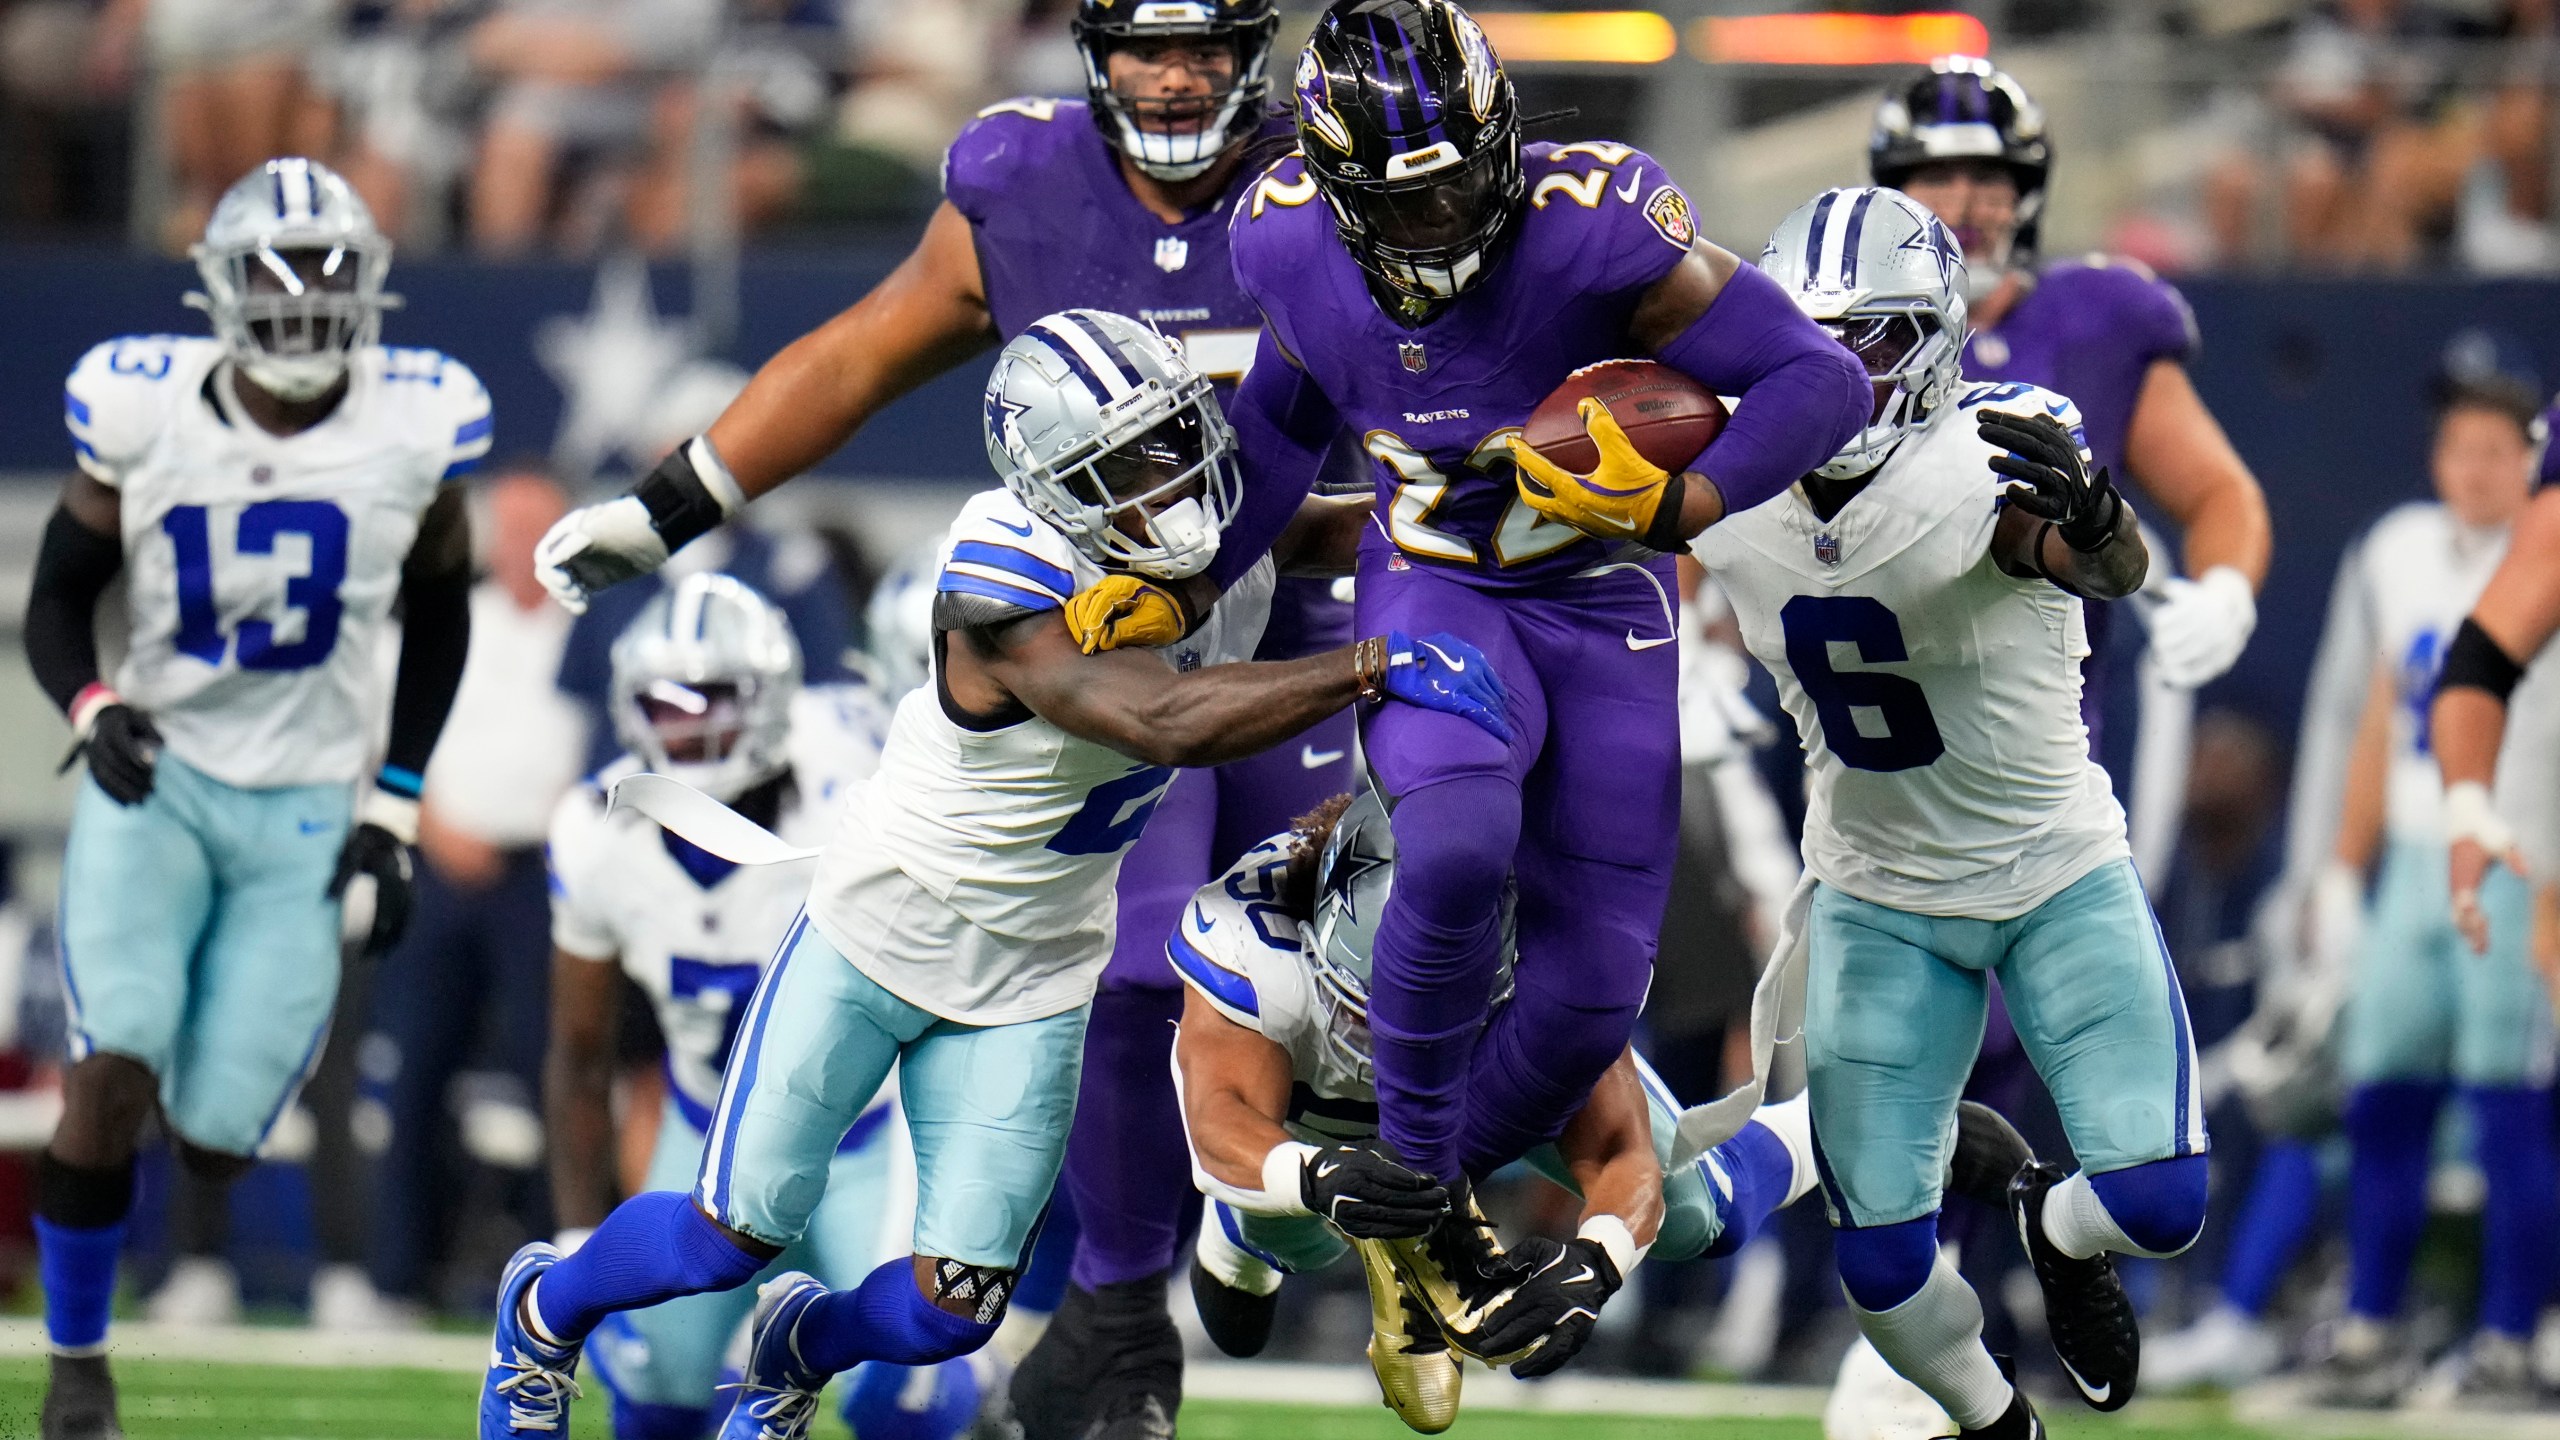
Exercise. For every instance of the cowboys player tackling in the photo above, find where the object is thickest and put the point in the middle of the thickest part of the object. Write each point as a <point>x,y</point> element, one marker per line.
<point>268,494</point>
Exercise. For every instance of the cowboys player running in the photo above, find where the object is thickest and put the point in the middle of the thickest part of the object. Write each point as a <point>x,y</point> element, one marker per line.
<point>1448,281</point>
<point>957,929</point>
<point>1119,202</point>
<point>268,493</point>
<point>706,688</point>
<point>1926,633</point>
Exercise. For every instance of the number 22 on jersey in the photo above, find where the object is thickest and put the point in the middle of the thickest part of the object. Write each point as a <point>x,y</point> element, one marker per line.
<point>314,592</point>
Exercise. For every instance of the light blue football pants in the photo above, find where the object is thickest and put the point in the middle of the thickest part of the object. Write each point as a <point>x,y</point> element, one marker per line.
<point>2424,1007</point>
<point>987,1106</point>
<point>670,1354</point>
<point>1894,1011</point>
<point>198,937</point>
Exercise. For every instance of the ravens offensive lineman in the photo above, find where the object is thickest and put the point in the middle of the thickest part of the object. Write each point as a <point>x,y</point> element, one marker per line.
<point>1118,203</point>
<point>1926,633</point>
<point>268,492</point>
<point>959,928</point>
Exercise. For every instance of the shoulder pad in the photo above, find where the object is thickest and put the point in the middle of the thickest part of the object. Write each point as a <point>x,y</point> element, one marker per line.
<point>2019,398</point>
<point>1006,139</point>
<point>2129,301</point>
<point>120,394</point>
<point>1209,950</point>
<point>1000,552</point>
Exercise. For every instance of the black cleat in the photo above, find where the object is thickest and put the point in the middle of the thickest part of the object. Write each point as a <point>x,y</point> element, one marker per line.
<point>1052,1389</point>
<point>1136,1363</point>
<point>2018,1422</point>
<point>1238,1321</point>
<point>80,1400</point>
<point>2094,1331</point>
<point>1989,1154</point>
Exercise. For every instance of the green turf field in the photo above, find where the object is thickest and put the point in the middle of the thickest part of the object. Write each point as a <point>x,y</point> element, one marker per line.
<point>171,1400</point>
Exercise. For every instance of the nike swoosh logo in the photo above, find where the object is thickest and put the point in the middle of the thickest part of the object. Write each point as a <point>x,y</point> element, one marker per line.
<point>1200,922</point>
<point>1587,1274</point>
<point>2098,1394</point>
<point>1022,530</point>
<point>1314,759</point>
<point>1627,192</point>
<point>1456,666</point>
<point>1634,643</point>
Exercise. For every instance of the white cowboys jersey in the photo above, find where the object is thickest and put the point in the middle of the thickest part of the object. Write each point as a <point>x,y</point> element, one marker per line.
<point>1251,959</point>
<point>260,569</point>
<point>975,878</point>
<point>1937,698</point>
<point>693,931</point>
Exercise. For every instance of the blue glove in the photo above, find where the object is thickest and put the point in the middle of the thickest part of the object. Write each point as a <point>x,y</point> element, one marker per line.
<point>1444,673</point>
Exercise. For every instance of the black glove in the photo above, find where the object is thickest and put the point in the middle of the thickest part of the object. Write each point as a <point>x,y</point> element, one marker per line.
<point>2056,484</point>
<point>372,850</point>
<point>121,748</point>
<point>1369,1194</point>
<point>1554,1309</point>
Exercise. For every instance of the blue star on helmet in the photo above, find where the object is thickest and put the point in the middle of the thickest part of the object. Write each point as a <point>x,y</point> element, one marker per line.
<point>1002,412</point>
<point>1938,240</point>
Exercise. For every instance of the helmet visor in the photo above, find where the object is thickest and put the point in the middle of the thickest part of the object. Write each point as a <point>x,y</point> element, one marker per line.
<point>302,300</point>
<point>1885,343</point>
<point>696,724</point>
<point>1155,470</point>
<point>1438,216</point>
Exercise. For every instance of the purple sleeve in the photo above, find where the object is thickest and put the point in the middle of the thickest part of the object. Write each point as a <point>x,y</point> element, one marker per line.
<point>1803,395</point>
<point>1284,425</point>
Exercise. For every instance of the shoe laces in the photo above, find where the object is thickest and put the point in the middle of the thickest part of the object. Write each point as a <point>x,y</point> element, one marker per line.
<point>1421,1328</point>
<point>1468,1252</point>
<point>781,1412</point>
<point>537,1396</point>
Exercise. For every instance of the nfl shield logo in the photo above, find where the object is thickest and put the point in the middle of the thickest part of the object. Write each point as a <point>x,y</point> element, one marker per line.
<point>1172,253</point>
<point>1826,548</point>
<point>1410,352</point>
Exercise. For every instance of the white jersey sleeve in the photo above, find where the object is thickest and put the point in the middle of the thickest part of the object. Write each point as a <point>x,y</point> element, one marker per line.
<point>458,423</point>
<point>117,399</point>
<point>2341,676</point>
<point>2424,571</point>
<point>580,849</point>
<point>997,551</point>
<point>1242,952</point>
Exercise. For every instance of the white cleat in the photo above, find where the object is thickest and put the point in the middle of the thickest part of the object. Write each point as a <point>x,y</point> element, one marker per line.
<point>200,1293</point>
<point>1870,1401</point>
<point>2223,1348</point>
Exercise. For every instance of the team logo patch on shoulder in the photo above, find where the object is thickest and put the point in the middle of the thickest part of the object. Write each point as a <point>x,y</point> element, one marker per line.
<point>1668,209</point>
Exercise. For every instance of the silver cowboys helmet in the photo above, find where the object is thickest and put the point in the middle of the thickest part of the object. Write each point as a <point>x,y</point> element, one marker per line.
<point>1099,426</point>
<point>898,625</point>
<point>1886,278</point>
<point>293,269</point>
<point>703,680</point>
<point>1354,873</point>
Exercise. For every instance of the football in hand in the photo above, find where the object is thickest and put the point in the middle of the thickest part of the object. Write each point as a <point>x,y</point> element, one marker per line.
<point>1668,416</point>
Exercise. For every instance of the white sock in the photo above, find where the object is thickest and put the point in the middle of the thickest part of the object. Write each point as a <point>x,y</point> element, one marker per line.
<point>1934,1340</point>
<point>2077,1222</point>
<point>1231,1264</point>
<point>1792,1122</point>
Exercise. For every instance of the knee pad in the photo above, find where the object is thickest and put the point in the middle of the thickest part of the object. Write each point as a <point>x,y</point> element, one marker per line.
<point>216,1167</point>
<point>83,1197</point>
<point>897,1402</point>
<point>2159,1206</point>
<point>1455,841</point>
<point>1883,1265</point>
<point>635,1421</point>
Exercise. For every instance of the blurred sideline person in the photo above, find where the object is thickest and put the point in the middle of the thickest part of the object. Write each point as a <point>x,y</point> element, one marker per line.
<point>268,494</point>
<point>2423,1011</point>
<point>473,959</point>
<point>707,689</point>
<point>959,931</point>
<point>1119,202</point>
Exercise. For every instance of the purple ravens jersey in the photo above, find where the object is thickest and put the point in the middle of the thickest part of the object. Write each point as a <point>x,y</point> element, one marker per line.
<point>1057,229</point>
<point>2089,329</point>
<point>1433,402</point>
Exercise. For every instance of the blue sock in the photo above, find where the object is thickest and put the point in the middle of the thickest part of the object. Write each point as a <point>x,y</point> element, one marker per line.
<point>895,1402</point>
<point>2516,1253</point>
<point>2283,1201</point>
<point>1762,1172</point>
<point>2158,1205</point>
<point>883,1318</point>
<point>78,1270</point>
<point>2392,1129</point>
<point>1883,1265</point>
<point>652,1247</point>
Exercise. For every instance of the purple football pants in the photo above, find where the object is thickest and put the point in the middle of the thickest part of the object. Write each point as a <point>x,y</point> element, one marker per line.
<point>1127,1171</point>
<point>1581,807</point>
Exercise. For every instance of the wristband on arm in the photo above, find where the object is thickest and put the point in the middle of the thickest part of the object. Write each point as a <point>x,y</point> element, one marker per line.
<point>689,494</point>
<point>2474,661</point>
<point>1284,1184</point>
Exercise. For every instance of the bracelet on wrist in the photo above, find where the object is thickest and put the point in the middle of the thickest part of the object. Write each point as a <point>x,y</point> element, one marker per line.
<point>1369,667</point>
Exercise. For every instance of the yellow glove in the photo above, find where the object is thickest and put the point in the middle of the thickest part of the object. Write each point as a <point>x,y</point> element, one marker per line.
<point>1125,610</point>
<point>1625,497</point>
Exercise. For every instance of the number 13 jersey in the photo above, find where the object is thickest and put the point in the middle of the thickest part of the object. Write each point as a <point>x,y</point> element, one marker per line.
<point>1937,697</point>
<point>260,569</point>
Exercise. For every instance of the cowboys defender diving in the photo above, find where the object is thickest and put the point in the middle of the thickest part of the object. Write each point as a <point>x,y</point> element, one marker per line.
<point>1926,633</point>
<point>268,493</point>
<point>1119,202</point>
<point>1274,1064</point>
<point>957,927</point>
<point>706,688</point>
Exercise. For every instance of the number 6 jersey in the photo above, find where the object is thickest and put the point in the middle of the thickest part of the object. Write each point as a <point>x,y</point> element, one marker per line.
<point>1937,698</point>
<point>260,569</point>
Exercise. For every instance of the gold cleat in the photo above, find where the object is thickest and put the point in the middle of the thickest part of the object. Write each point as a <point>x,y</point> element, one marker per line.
<point>1418,1376</point>
<point>1459,1273</point>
